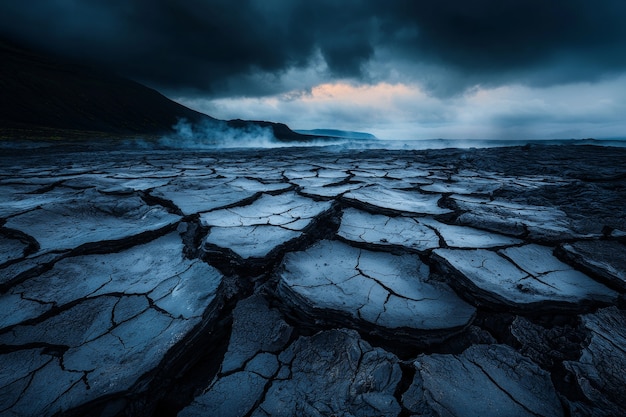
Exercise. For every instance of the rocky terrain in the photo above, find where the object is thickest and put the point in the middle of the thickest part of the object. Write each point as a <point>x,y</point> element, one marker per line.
<point>313,282</point>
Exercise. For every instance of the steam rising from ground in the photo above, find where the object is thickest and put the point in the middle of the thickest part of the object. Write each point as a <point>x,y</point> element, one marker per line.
<point>217,134</point>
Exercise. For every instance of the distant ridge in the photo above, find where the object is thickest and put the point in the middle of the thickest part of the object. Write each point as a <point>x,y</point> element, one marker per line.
<point>44,96</point>
<point>281,131</point>
<point>337,133</point>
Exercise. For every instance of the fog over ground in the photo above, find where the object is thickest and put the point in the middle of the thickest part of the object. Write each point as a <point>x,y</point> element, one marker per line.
<point>398,68</point>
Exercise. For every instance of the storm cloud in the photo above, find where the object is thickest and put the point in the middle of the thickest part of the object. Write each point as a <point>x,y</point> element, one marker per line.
<point>221,48</point>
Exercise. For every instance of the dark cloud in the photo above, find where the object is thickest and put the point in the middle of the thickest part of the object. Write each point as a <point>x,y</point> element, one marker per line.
<point>530,41</point>
<point>218,47</point>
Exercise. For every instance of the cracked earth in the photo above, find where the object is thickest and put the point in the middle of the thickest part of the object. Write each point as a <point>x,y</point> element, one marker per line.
<point>313,282</point>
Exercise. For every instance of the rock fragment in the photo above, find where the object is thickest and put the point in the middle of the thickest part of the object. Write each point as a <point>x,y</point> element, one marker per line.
<point>256,329</point>
<point>485,380</point>
<point>11,249</point>
<point>604,259</point>
<point>599,373</point>
<point>259,334</point>
<point>548,346</point>
<point>333,373</point>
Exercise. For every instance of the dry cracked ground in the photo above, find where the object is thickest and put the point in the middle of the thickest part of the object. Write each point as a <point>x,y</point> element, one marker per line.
<point>313,282</point>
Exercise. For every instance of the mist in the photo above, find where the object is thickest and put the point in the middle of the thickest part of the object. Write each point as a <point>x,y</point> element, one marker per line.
<point>215,135</point>
<point>218,135</point>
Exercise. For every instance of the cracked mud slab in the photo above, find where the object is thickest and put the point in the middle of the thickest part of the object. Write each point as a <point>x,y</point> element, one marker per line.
<point>90,217</point>
<point>467,237</point>
<point>201,195</point>
<point>288,210</point>
<point>466,183</point>
<point>250,241</point>
<point>383,290</point>
<point>255,230</point>
<point>526,277</point>
<point>329,191</point>
<point>396,200</point>
<point>542,223</point>
<point>297,278</point>
<point>97,323</point>
<point>154,269</point>
<point>20,199</point>
<point>361,227</point>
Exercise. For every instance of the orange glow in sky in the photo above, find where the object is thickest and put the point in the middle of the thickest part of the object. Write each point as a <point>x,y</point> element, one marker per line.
<point>376,93</point>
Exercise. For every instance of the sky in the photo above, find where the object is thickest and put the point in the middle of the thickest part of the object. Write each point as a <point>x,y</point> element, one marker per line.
<point>400,69</point>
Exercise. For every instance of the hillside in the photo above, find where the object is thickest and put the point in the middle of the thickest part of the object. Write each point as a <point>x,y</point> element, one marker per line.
<point>337,133</point>
<point>44,96</point>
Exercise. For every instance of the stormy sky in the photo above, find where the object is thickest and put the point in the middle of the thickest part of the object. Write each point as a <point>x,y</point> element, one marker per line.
<point>397,68</point>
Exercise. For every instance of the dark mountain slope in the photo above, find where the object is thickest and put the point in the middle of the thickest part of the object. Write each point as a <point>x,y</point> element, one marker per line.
<point>46,96</point>
<point>280,130</point>
<point>337,133</point>
<point>42,92</point>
